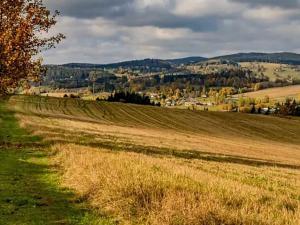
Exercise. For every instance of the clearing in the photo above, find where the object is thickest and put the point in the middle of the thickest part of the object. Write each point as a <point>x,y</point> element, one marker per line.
<point>273,70</point>
<point>278,94</point>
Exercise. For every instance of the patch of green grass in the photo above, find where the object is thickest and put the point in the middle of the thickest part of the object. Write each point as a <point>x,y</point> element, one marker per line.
<point>29,190</point>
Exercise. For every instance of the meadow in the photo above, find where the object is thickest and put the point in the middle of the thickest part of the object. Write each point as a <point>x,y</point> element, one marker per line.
<point>276,94</point>
<point>150,165</point>
<point>273,70</point>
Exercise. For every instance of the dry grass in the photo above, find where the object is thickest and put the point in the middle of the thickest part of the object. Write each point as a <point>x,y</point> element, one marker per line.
<point>89,97</point>
<point>64,130</point>
<point>147,165</point>
<point>150,190</point>
<point>280,93</point>
<point>274,70</point>
<point>56,95</point>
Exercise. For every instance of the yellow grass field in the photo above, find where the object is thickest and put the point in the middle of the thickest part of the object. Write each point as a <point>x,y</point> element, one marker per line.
<point>150,165</point>
<point>280,93</point>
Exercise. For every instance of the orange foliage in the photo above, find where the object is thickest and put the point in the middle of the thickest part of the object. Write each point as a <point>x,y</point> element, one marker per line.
<point>22,26</point>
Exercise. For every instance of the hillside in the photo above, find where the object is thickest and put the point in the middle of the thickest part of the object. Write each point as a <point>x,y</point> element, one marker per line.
<point>274,70</point>
<point>137,63</point>
<point>212,125</point>
<point>278,94</point>
<point>148,165</point>
<point>283,57</point>
<point>187,60</point>
<point>281,67</point>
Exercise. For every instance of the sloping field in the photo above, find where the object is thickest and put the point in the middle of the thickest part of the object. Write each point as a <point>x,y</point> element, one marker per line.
<point>149,165</point>
<point>276,93</point>
<point>273,70</point>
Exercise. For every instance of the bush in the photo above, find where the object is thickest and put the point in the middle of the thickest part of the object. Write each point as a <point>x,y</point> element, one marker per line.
<point>245,109</point>
<point>74,96</point>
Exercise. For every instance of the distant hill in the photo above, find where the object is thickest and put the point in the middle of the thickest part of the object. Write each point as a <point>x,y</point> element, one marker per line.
<point>187,60</point>
<point>151,63</point>
<point>217,62</point>
<point>283,57</point>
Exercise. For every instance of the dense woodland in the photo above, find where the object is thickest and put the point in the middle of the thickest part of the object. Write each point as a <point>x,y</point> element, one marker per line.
<point>130,97</point>
<point>230,78</point>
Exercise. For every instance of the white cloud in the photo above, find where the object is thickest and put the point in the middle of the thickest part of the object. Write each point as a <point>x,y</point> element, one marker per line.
<point>142,4</point>
<point>267,14</point>
<point>171,28</point>
<point>206,7</point>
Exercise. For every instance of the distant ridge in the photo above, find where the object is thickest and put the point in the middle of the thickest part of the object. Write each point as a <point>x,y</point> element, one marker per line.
<point>187,60</point>
<point>144,62</point>
<point>281,57</point>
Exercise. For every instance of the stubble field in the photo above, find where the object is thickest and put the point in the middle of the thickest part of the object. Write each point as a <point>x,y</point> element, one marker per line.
<point>148,165</point>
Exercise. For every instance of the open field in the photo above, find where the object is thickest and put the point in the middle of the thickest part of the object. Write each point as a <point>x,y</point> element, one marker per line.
<point>29,184</point>
<point>279,94</point>
<point>274,70</point>
<point>149,165</point>
<point>103,95</point>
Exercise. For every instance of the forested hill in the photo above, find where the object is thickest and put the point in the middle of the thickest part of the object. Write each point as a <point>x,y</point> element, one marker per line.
<point>159,63</point>
<point>282,58</point>
<point>75,75</point>
<point>187,60</point>
<point>134,63</point>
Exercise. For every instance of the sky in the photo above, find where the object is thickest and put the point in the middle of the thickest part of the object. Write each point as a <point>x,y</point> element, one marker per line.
<point>105,31</point>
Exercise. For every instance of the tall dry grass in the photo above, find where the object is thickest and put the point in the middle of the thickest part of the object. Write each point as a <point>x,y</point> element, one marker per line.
<point>148,190</point>
<point>188,167</point>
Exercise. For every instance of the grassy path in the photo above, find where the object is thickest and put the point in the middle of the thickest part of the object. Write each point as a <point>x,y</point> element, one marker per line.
<point>29,191</point>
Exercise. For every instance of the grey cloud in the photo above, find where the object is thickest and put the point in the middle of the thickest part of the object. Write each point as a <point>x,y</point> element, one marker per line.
<point>288,4</point>
<point>91,8</point>
<point>125,13</point>
<point>103,31</point>
<point>168,20</point>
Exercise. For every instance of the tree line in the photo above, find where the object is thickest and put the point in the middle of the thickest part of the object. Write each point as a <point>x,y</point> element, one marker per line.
<point>130,97</point>
<point>288,108</point>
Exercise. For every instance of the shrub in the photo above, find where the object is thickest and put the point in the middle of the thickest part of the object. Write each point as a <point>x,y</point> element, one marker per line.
<point>74,96</point>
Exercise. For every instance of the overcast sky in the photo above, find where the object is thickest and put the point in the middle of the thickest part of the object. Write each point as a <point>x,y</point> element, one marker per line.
<point>103,31</point>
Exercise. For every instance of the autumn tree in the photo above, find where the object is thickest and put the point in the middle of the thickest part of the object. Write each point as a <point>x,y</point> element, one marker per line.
<point>24,25</point>
<point>257,87</point>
